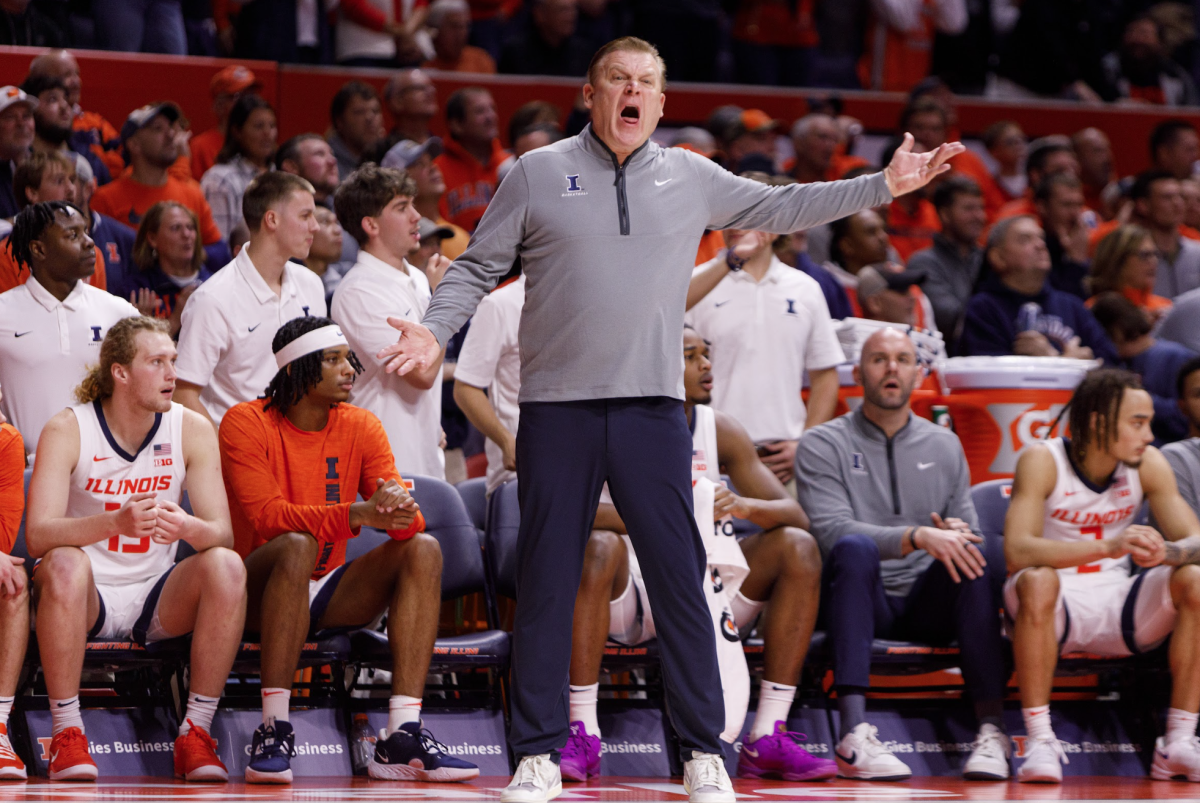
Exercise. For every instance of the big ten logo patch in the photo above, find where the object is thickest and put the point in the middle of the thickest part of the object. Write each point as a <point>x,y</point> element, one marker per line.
<point>1020,424</point>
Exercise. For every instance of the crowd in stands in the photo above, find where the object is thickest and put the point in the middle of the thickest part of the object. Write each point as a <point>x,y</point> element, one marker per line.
<point>1133,51</point>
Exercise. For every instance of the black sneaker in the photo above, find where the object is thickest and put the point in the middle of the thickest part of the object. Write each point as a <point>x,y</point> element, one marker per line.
<point>412,754</point>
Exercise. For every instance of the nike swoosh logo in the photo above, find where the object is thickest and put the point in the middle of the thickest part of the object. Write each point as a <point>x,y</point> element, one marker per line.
<point>21,334</point>
<point>722,303</point>
<point>658,183</point>
<point>923,466</point>
<point>53,757</point>
<point>849,760</point>
<point>749,752</point>
<point>98,459</point>
<point>271,693</point>
<point>252,328</point>
<point>1070,493</point>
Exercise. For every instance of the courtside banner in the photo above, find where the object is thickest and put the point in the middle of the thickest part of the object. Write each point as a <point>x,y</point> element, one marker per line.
<point>476,736</point>
<point>123,741</point>
<point>813,723</point>
<point>633,743</point>
<point>322,747</point>
<point>934,740</point>
<point>1095,737</point>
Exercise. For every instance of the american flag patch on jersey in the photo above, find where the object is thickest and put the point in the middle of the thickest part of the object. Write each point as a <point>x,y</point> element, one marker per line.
<point>162,450</point>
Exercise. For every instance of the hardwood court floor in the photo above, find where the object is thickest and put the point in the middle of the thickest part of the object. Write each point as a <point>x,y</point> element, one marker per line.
<point>607,790</point>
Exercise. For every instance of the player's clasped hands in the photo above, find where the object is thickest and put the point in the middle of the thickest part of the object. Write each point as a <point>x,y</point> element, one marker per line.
<point>1144,544</point>
<point>391,507</point>
<point>953,543</point>
<point>144,516</point>
<point>170,523</point>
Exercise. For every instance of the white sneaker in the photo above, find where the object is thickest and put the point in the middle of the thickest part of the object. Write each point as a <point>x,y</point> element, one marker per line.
<point>706,781</point>
<point>536,780</point>
<point>862,757</point>
<point>1043,762</point>
<point>1179,759</point>
<point>989,759</point>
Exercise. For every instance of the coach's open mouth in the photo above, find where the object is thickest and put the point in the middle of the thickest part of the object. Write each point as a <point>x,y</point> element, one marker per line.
<point>631,113</point>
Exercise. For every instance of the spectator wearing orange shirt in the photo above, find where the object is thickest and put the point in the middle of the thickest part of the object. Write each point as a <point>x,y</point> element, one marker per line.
<point>472,157</point>
<point>1094,151</point>
<point>899,45</point>
<point>1047,156</point>
<point>929,123</point>
<point>14,590</point>
<point>151,141</point>
<point>226,87</point>
<point>911,220</point>
<point>1126,262</point>
<point>291,525</point>
<point>91,129</point>
<point>451,22</point>
<point>773,42</point>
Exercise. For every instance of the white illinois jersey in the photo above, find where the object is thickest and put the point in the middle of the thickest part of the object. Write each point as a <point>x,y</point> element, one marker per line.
<point>705,462</point>
<point>1076,510</point>
<point>106,475</point>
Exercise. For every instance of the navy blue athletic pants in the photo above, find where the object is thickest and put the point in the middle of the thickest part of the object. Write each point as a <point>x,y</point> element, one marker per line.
<point>565,452</point>
<point>855,609</point>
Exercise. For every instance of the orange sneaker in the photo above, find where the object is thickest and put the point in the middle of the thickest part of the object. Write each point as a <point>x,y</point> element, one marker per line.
<point>69,758</point>
<point>11,767</point>
<point>196,757</point>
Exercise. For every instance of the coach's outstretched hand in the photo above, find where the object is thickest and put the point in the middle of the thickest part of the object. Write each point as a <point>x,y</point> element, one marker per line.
<point>417,348</point>
<point>910,171</point>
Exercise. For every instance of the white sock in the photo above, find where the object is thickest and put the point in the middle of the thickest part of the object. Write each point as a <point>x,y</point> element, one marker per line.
<point>65,714</point>
<point>275,705</point>
<point>199,714</point>
<point>6,704</point>
<point>774,703</point>
<point>1180,725</point>
<point>401,711</point>
<point>583,707</point>
<point>1037,722</point>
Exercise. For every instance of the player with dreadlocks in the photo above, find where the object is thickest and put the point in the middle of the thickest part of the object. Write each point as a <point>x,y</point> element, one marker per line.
<point>51,327</point>
<point>294,463</point>
<point>1070,540</point>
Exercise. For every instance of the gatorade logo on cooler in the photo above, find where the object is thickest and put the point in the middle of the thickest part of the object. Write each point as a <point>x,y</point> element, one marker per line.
<point>1021,425</point>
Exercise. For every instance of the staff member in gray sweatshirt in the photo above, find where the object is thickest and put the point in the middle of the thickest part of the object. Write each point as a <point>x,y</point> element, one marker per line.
<point>1184,456</point>
<point>889,496</point>
<point>607,225</point>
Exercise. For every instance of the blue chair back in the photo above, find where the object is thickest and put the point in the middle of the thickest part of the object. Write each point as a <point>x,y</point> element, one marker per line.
<point>504,520</point>
<point>447,520</point>
<point>19,549</point>
<point>474,496</point>
<point>991,505</point>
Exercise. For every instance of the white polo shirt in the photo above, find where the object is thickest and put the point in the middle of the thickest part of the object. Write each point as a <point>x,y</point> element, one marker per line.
<point>46,347</point>
<point>491,359</point>
<point>370,292</point>
<point>764,336</point>
<point>228,326</point>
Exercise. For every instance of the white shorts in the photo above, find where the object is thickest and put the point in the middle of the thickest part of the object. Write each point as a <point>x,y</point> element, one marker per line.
<point>631,622</point>
<point>130,611</point>
<point>1109,613</point>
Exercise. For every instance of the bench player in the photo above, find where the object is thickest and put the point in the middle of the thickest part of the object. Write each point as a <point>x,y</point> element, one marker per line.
<point>14,590</point>
<point>105,519</point>
<point>294,462</point>
<point>1069,540</point>
<point>785,570</point>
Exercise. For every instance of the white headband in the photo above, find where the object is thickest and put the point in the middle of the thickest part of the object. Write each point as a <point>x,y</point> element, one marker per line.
<point>317,340</point>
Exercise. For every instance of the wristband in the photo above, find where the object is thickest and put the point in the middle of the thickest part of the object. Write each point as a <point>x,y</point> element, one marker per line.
<point>734,261</point>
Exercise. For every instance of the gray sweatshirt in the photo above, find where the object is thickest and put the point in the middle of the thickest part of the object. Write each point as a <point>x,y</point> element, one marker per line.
<point>608,251</point>
<point>852,479</point>
<point>1184,457</point>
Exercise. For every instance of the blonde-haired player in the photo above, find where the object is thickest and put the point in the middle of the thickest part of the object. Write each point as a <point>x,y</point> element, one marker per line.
<point>105,519</point>
<point>1068,540</point>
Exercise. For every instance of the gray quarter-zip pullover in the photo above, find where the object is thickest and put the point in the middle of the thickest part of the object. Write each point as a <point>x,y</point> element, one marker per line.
<point>608,250</point>
<point>853,479</point>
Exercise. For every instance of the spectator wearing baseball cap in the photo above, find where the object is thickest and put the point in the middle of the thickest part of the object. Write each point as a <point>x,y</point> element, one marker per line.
<point>16,137</point>
<point>418,160</point>
<point>749,132</point>
<point>225,87</point>
<point>885,295</point>
<point>151,139</point>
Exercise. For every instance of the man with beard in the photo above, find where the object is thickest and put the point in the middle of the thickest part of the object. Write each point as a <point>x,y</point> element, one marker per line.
<point>889,499</point>
<point>1140,70</point>
<point>52,123</point>
<point>151,139</point>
